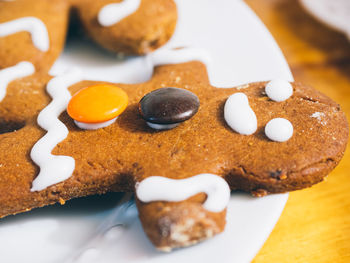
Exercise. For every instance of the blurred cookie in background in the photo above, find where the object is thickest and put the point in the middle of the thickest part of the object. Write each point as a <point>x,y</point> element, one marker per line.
<point>334,13</point>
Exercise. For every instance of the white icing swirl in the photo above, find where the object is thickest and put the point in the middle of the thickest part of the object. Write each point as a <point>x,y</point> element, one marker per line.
<point>7,75</point>
<point>157,188</point>
<point>279,90</point>
<point>33,25</point>
<point>239,115</point>
<point>54,168</point>
<point>113,13</point>
<point>279,130</point>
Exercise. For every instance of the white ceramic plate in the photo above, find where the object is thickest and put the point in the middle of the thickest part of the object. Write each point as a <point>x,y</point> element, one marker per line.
<point>242,50</point>
<point>334,13</point>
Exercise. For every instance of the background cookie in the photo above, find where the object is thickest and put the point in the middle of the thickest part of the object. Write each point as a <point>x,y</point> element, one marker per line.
<point>145,30</point>
<point>35,31</point>
<point>19,46</point>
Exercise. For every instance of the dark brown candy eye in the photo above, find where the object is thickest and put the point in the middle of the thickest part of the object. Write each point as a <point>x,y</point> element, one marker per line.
<point>165,108</point>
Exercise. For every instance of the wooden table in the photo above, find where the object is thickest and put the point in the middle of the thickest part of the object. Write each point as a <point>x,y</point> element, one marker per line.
<point>315,224</point>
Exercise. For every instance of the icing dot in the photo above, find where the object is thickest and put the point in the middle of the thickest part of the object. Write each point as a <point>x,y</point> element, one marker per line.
<point>279,130</point>
<point>279,90</point>
<point>238,114</point>
<point>162,108</point>
<point>98,104</point>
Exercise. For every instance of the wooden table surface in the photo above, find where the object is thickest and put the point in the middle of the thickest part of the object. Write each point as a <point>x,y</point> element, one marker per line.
<point>315,224</point>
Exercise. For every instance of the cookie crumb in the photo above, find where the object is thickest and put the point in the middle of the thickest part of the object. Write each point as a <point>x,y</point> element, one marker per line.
<point>62,201</point>
<point>283,177</point>
<point>259,192</point>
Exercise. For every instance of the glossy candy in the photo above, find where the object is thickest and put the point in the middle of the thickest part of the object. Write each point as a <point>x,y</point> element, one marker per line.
<point>97,104</point>
<point>164,108</point>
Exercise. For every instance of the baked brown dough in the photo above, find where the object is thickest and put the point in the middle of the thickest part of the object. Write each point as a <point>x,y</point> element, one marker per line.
<point>116,157</point>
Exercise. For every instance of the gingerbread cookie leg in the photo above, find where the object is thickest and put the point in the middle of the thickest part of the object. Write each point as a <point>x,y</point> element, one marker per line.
<point>128,26</point>
<point>32,31</point>
<point>176,224</point>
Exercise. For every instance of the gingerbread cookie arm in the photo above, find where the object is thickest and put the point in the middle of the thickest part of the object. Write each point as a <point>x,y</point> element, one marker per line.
<point>32,31</point>
<point>128,26</point>
<point>23,99</point>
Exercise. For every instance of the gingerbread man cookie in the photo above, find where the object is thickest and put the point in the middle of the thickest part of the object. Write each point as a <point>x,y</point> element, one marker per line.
<point>176,141</point>
<point>123,155</point>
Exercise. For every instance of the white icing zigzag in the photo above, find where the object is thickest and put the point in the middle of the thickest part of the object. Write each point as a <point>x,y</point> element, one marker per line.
<point>158,188</point>
<point>7,75</point>
<point>54,168</point>
<point>113,13</point>
<point>33,25</point>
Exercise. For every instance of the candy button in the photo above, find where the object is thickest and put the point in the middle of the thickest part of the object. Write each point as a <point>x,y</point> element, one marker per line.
<point>165,108</point>
<point>97,106</point>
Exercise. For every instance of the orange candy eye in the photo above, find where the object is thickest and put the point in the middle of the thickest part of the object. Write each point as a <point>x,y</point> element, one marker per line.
<point>97,103</point>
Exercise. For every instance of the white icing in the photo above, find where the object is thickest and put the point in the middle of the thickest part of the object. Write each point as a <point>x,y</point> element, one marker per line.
<point>7,75</point>
<point>157,188</point>
<point>113,13</point>
<point>157,126</point>
<point>176,56</point>
<point>54,168</point>
<point>94,126</point>
<point>33,25</point>
<point>238,114</point>
<point>279,90</point>
<point>279,130</point>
